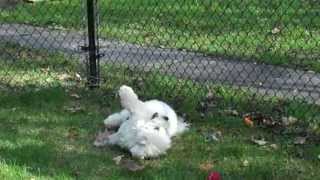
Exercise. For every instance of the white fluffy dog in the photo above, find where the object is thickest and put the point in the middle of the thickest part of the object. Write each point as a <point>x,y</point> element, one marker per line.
<point>145,128</point>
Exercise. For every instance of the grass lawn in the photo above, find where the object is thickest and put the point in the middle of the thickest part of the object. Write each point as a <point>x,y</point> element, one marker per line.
<point>276,32</point>
<point>48,121</point>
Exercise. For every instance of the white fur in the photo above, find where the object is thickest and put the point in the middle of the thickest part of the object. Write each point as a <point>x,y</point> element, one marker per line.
<point>142,140</point>
<point>142,133</point>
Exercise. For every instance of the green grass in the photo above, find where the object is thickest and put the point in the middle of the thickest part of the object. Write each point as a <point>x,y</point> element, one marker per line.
<point>241,29</point>
<point>41,139</point>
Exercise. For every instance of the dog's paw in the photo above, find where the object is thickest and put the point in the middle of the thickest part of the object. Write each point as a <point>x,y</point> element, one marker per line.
<point>126,91</point>
<point>102,138</point>
<point>128,96</point>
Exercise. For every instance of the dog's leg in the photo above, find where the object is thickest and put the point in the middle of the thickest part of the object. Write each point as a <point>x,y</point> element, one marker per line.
<point>113,139</point>
<point>130,101</point>
<point>116,119</point>
<point>102,138</point>
<point>105,138</point>
<point>138,151</point>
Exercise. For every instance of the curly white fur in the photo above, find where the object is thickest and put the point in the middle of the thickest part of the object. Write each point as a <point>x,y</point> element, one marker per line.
<point>145,128</point>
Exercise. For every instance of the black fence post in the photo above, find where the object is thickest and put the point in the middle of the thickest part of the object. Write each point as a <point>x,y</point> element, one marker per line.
<point>93,78</point>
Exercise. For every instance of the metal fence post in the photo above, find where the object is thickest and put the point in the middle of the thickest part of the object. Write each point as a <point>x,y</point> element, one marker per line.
<point>93,78</point>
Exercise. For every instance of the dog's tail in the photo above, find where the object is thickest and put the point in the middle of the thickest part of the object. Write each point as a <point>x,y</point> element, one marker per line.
<point>182,126</point>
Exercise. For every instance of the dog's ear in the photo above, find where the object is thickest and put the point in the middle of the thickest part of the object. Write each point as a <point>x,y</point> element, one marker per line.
<point>155,115</point>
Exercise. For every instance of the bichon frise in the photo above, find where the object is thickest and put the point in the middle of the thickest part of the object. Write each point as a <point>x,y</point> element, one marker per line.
<point>145,128</point>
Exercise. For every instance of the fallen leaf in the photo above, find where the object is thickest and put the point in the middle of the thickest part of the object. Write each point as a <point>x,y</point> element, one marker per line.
<point>205,166</point>
<point>259,119</point>
<point>212,136</point>
<point>218,133</point>
<point>73,109</point>
<point>78,77</point>
<point>73,133</point>
<point>118,159</point>
<point>74,95</point>
<point>275,30</point>
<point>268,122</point>
<point>63,77</point>
<point>245,163</point>
<point>231,112</point>
<point>248,121</point>
<point>131,165</point>
<point>287,121</point>
<point>300,140</point>
<point>274,146</point>
<point>45,70</point>
<point>260,142</point>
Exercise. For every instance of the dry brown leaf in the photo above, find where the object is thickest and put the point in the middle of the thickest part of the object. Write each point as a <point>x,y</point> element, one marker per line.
<point>131,165</point>
<point>74,95</point>
<point>274,146</point>
<point>276,30</point>
<point>260,142</point>
<point>231,112</point>
<point>287,121</point>
<point>78,77</point>
<point>206,166</point>
<point>300,140</point>
<point>45,70</point>
<point>63,77</point>
<point>245,163</point>
<point>212,136</point>
<point>268,122</point>
<point>118,159</point>
<point>248,121</point>
<point>73,109</point>
<point>73,133</point>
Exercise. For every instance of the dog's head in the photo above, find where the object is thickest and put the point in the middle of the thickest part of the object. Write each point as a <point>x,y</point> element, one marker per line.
<point>168,123</point>
<point>155,134</point>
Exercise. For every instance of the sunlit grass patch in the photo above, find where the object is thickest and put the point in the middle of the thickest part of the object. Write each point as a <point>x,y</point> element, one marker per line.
<point>47,129</point>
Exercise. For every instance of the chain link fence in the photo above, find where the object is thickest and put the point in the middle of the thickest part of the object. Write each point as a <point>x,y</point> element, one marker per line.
<point>41,44</point>
<point>250,55</point>
<point>235,55</point>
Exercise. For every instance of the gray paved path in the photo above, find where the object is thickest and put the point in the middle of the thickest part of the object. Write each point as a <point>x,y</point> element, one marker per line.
<point>265,79</point>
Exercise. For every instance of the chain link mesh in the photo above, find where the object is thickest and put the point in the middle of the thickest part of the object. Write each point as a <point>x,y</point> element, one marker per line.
<point>41,43</point>
<point>248,55</point>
